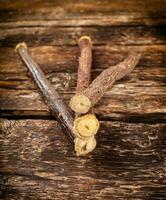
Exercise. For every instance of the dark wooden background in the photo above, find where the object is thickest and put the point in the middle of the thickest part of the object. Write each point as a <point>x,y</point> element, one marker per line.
<point>37,162</point>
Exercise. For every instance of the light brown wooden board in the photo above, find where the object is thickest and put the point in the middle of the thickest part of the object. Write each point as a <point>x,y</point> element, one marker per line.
<point>142,92</point>
<point>38,162</point>
<point>65,58</point>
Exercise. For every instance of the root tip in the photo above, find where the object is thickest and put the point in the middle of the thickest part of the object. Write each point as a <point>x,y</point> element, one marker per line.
<point>85,38</point>
<point>20,45</point>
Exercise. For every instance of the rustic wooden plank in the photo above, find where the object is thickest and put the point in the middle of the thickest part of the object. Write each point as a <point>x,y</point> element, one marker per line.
<point>65,58</point>
<point>134,100</point>
<point>142,92</point>
<point>88,5</point>
<point>38,163</point>
<point>36,160</point>
<point>122,35</point>
<point>66,81</point>
<point>60,65</point>
<point>117,19</point>
<point>77,13</point>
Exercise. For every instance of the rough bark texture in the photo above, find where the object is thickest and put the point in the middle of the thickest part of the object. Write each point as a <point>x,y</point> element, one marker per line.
<point>91,95</point>
<point>83,75</point>
<point>52,99</point>
<point>85,64</point>
<point>128,163</point>
<point>37,162</point>
<point>85,127</point>
<point>144,88</point>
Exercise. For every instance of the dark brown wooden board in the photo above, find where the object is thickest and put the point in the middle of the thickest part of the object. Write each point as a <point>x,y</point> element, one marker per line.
<point>36,160</point>
<point>116,35</point>
<point>82,13</point>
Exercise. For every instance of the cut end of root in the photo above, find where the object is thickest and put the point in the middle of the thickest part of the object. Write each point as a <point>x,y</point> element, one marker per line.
<point>85,37</point>
<point>84,40</point>
<point>20,45</point>
<point>80,104</point>
<point>86,125</point>
<point>83,147</point>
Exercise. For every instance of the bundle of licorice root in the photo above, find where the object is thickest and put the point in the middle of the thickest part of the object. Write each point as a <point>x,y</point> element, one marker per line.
<point>78,119</point>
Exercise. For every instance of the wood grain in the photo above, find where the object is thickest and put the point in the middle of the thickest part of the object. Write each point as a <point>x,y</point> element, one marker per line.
<point>53,59</point>
<point>78,13</point>
<point>34,36</point>
<point>142,92</point>
<point>37,162</point>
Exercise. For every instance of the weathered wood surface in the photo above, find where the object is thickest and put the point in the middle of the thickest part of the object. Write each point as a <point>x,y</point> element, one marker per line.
<point>142,92</point>
<point>82,13</point>
<point>128,163</point>
<point>36,160</point>
<point>120,35</point>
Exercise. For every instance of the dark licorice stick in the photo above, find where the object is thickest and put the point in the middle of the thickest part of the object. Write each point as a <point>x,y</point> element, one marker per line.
<point>56,105</point>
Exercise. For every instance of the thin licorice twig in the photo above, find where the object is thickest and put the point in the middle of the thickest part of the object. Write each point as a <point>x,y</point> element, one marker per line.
<point>55,103</point>
<point>85,126</point>
<point>85,64</point>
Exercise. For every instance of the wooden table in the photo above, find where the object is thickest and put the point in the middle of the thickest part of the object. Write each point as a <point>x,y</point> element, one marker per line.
<point>37,162</point>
